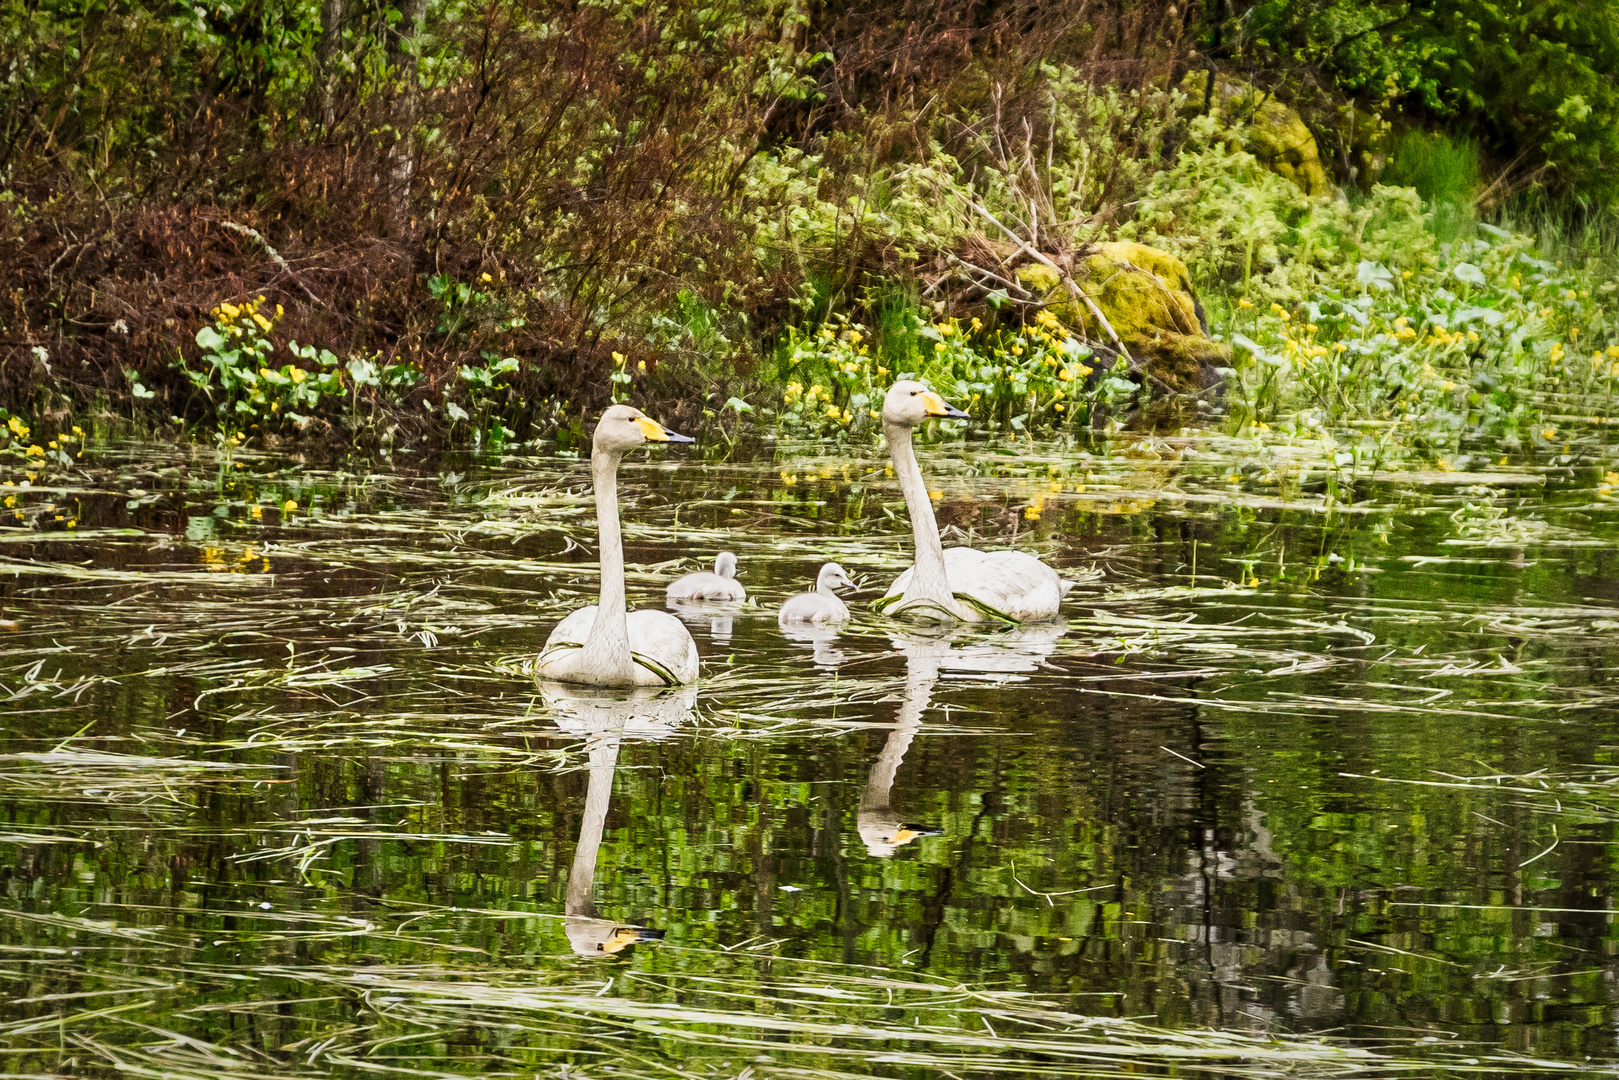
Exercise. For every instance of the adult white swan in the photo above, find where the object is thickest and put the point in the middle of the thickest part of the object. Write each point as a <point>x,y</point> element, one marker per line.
<point>961,583</point>
<point>604,644</point>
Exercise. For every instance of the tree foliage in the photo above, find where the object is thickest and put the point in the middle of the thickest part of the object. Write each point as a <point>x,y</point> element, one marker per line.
<point>1531,78</point>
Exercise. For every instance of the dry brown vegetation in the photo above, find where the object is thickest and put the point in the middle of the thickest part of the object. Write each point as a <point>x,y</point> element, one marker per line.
<point>587,158</point>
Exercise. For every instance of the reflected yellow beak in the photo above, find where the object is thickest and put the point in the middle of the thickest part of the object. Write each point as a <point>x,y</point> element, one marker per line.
<point>903,837</point>
<point>622,938</point>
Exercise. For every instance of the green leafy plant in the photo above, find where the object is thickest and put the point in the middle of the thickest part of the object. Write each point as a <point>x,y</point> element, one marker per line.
<point>237,377</point>
<point>1039,376</point>
<point>1471,355</point>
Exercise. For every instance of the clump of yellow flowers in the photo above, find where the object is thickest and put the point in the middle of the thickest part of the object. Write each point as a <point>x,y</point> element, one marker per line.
<point>238,376</point>
<point>1017,377</point>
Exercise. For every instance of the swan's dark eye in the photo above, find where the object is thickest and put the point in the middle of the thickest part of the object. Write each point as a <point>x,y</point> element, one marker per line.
<point>915,392</point>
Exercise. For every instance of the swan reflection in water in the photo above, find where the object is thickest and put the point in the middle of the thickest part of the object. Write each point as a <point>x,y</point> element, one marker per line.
<point>605,719</point>
<point>717,616</point>
<point>997,658</point>
<point>821,641</point>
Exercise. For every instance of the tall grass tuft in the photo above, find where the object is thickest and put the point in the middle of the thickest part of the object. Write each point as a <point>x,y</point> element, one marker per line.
<point>1445,171</point>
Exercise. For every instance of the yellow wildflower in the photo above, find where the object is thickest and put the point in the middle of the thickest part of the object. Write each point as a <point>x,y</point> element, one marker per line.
<point>264,324</point>
<point>297,374</point>
<point>289,506</point>
<point>1245,303</point>
<point>485,278</point>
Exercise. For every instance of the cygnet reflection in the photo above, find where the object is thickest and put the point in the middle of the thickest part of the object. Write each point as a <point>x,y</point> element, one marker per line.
<point>821,641</point>
<point>1000,657</point>
<point>718,618</point>
<point>605,719</point>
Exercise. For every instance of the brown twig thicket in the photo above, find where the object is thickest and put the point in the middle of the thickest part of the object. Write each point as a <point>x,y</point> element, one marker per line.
<point>586,158</point>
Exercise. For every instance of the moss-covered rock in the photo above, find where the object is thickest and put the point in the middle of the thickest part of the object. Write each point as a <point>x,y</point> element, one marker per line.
<point>1146,295</point>
<point>1273,132</point>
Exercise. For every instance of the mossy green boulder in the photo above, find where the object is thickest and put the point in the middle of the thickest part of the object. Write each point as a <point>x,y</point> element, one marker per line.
<point>1274,133</point>
<point>1146,295</point>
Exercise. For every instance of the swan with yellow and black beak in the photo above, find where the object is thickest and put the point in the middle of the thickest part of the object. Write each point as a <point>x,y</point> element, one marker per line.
<point>958,584</point>
<point>605,644</point>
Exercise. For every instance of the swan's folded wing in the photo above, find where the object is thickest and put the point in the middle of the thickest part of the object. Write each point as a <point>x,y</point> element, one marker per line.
<point>661,644</point>
<point>1009,584</point>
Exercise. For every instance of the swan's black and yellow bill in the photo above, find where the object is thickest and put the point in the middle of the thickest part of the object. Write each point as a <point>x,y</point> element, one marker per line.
<point>908,832</point>
<point>625,936</point>
<point>938,406</point>
<point>656,432</point>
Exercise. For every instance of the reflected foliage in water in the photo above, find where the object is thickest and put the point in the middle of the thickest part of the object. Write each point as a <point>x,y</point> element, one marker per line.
<point>1296,785</point>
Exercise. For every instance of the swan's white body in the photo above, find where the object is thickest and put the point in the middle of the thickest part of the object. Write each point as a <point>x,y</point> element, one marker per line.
<point>719,586</point>
<point>822,606</point>
<point>1010,583</point>
<point>655,642</point>
<point>606,644</point>
<point>960,584</point>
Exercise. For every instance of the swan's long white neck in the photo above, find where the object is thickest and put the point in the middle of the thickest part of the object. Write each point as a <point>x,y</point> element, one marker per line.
<point>607,649</point>
<point>921,672</point>
<point>928,580</point>
<point>598,796</point>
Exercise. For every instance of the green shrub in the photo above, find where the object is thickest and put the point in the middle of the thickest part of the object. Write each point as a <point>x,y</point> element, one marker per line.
<point>1477,353</point>
<point>1039,377</point>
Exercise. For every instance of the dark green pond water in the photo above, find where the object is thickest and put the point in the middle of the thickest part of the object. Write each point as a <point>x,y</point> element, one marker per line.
<point>1303,785</point>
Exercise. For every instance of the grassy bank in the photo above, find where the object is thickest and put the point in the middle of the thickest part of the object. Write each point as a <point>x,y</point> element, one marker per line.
<point>328,228</point>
